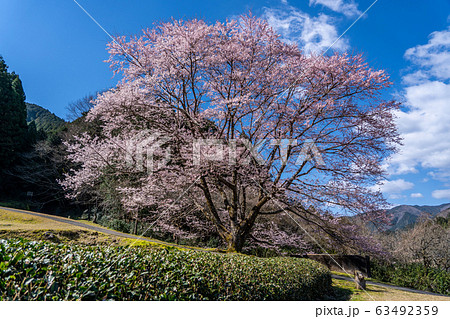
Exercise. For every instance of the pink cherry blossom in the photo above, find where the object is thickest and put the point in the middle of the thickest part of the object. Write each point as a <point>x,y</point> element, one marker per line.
<point>237,82</point>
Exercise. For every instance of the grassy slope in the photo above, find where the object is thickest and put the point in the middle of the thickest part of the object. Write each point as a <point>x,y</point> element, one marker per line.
<point>14,221</point>
<point>346,290</point>
<point>17,225</point>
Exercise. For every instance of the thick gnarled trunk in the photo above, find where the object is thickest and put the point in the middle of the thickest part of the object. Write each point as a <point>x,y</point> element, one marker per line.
<point>240,222</point>
<point>235,243</point>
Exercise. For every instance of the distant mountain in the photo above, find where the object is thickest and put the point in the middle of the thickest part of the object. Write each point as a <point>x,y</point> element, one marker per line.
<point>406,215</point>
<point>43,118</point>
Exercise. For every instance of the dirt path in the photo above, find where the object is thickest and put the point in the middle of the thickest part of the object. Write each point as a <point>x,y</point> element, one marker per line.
<point>390,286</point>
<point>95,228</point>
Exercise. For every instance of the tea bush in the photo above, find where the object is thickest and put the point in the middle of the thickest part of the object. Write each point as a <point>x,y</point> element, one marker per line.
<point>46,271</point>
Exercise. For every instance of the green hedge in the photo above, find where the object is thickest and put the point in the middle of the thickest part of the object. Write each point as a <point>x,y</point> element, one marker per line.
<point>45,271</point>
<point>413,275</point>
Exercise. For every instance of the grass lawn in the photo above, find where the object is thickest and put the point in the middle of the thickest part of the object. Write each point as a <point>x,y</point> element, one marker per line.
<point>14,221</point>
<point>18,225</point>
<point>345,290</point>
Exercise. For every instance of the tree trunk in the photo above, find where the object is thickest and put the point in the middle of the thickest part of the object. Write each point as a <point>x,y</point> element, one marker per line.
<point>238,231</point>
<point>135,226</point>
<point>239,235</point>
<point>235,243</point>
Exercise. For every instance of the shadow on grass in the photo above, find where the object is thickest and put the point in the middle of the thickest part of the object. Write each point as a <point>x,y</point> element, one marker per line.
<point>340,294</point>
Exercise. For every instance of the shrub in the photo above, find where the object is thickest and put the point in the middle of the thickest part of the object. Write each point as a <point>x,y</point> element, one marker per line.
<point>413,275</point>
<point>45,271</point>
<point>117,224</point>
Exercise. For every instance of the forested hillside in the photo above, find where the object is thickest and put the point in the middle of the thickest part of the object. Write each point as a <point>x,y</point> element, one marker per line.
<point>43,118</point>
<point>406,216</point>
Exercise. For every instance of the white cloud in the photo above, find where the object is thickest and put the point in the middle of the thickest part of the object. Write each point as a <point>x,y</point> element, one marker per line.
<point>312,34</point>
<point>441,194</point>
<point>348,8</point>
<point>433,58</point>
<point>416,195</point>
<point>425,126</point>
<point>425,129</point>
<point>393,187</point>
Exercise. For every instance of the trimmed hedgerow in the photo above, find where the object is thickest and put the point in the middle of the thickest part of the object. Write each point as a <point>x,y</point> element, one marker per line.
<point>45,271</point>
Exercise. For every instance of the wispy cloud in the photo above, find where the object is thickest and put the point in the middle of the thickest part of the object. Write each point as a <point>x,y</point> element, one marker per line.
<point>348,8</point>
<point>416,195</point>
<point>393,187</point>
<point>312,33</point>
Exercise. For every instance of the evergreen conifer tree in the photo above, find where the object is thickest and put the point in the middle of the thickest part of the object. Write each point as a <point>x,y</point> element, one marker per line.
<point>13,125</point>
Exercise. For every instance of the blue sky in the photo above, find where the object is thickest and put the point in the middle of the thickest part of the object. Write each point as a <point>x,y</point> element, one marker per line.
<point>58,51</point>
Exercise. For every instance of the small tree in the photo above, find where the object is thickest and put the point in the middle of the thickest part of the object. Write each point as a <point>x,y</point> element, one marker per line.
<point>80,107</point>
<point>427,242</point>
<point>188,87</point>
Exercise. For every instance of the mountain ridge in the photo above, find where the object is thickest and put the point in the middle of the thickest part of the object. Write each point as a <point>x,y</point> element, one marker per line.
<point>403,216</point>
<point>43,118</point>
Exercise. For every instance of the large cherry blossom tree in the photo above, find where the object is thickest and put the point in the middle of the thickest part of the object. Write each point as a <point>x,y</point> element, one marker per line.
<point>229,121</point>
